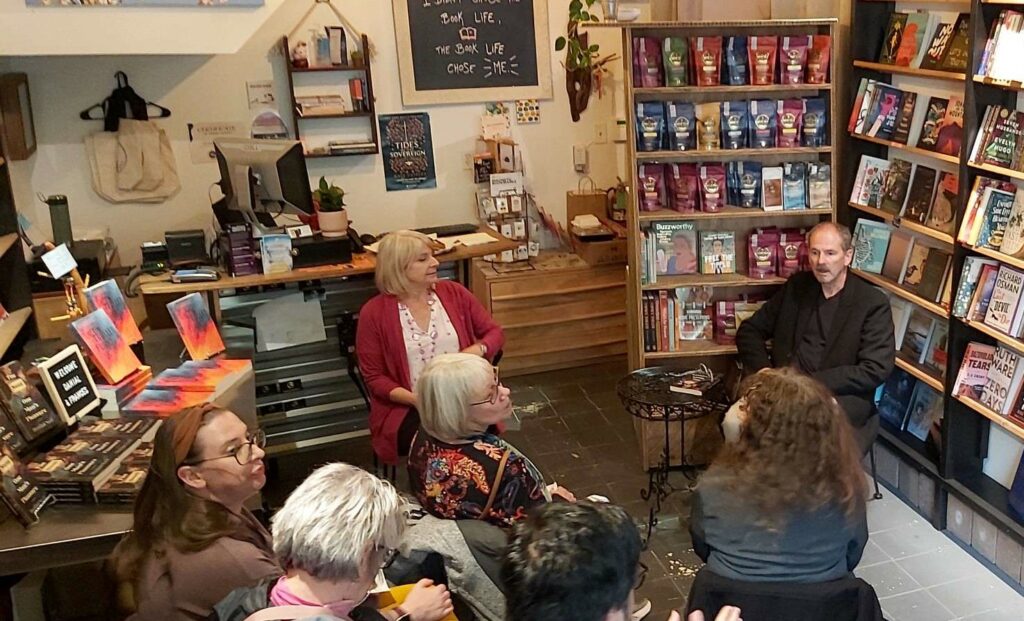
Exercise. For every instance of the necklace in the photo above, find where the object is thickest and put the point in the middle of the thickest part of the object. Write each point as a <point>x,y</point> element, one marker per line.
<point>425,341</point>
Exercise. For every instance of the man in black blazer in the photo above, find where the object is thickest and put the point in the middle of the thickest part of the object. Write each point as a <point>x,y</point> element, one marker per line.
<point>830,324</point>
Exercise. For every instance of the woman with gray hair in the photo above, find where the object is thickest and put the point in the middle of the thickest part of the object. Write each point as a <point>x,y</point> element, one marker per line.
<point>458,468</point>
<point>336,531</point>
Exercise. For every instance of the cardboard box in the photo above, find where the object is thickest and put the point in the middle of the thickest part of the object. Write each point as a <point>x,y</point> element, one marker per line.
<point>594,252</point>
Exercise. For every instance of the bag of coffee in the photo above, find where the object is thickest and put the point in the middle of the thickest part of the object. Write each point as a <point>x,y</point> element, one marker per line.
<point>682,126</point>
<point>707,60</point>
<point>684,187</point>
<point>734,124</point>
<point>762,254</point>
<point>676,56</point>
<point>794,59</point>
<point>818,58</point>
<point>749,189</point>
<point>819,186</point>
<point>647,71</point>
<point>712,187</point>
<point>794,185</point>
<point>792,252</point>
<point>736,73</point>
<point>762,52</point>
<point>762,124</point>
<point>708,123</point>
<point>815,123</point>
<point>650,125</point>
<point>790,114</point>
<point>652,187</point>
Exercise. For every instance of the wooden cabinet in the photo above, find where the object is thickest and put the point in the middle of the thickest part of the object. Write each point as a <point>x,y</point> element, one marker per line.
<point>560,313</point>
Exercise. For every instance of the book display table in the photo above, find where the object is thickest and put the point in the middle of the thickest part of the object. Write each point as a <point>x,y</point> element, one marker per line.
<point>646,396</point>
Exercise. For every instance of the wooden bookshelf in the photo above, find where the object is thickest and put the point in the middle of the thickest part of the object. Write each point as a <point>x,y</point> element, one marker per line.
<point>10,327</point>
<point>727,154</point>
<point>1010,85</point>
<point>942,157</point>
<point>1013,343</point>
<point>731,218</point>
<point>997,170</point>
<point>910,71</point>
<point>995,254</point>
<point>908,225</point>
<point>339,115</point>
<point>1004,422</point>
<point>731,213</point>
<point>329,69</point>
<point>914,369</point>
<point>889,285</point>
<point>7,242</point>
<point>712,280</point>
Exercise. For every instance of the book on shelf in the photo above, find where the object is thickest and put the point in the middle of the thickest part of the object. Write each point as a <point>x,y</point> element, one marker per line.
<point>999,137</point>
<point>867,187</point>
<point>997,211</point>
<point>1005,299</point>
<point>1000,59</point>
<point>977,204</point>
<point>941,216</point>
<point>893,36</point>
<point>940,42</point>
<point>1003,380</point>
<point>938,349</point>
<point>107,349</point>
<point>900,316</point>
<point>881,119</point>
<point>896,394</point>
<point>956,56</point>
<point>970,381</point>
<point>905,118</point>
<point>970,275</point>
<point>718,252</point>
<point>915,340</point>
<point>951,128</point>
<point>925,409</point>
<point>18,491</point>
<point>933,276</point>
<point>914,270</point>
<point>901,245</point>
<point>1013,234</point>
<point>916,35</point>
<point>870,242</point>
<point>983,293</point>
<point>920,194</point>
<point>895,185</point>
<point>935,114</point>
<point>25,405</point>
<point>676,247</point>
<point>9,433</point>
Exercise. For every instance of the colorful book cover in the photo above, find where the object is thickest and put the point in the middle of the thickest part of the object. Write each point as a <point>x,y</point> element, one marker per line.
<point>109,352</point>
<point>1005,298</point>
<point>25,404</point>
<point>107,296</point>
<point>905,118</point>
<point>933,275</point>
<point>920,194</point>
<point>934,115</point>
<point>912,40</point>
<point>901,244</point>
<point>1000,143</point>
<point>19,492</point>
<point>866,106</point>
<point>915,340</point>
<point>997,214</point>
<point>914,270</point>
<point>1002,375</point>
<point>893,36</point>
<point>896,394</point>
<point>925,408</point>
<point>957,53</point>
<point>939,44</point>
<point>163,403</point>
<point>983,293</point>
<point>195,326</point>
<point>870,242</point>
<point>938,349</point>
<point>874,174</point>
<point>677,247</point>
<point>718,252</point>
<point>192,377</point>
<point>942,213</point>
<point>951,130</point>
<point>895,186</point>
<point>870,169</point>
<point>857,103</point>
<point>970,381</point>
<point>969,277</point>
<point>1013,234</point>
<point>885,110</point>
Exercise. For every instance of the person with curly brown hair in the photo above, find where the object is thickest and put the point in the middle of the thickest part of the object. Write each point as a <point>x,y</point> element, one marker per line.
<point>785,502</point>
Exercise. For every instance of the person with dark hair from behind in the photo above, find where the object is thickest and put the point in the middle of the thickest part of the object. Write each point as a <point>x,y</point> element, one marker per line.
<point>784,502</point>
<point>578,561</point>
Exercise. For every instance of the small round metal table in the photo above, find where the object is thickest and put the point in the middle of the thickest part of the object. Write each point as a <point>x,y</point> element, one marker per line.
<point>645,394</point>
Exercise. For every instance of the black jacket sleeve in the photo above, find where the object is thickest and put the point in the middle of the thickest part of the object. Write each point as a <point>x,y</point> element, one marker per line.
<point>753,334</point>
<point>875,355</point>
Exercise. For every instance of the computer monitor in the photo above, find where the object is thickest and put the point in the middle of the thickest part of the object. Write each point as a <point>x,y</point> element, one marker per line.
<point>263,175</point>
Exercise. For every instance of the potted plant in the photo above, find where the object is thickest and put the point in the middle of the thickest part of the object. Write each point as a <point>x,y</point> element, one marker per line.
<point>330,206</point>
<point>585,69</point>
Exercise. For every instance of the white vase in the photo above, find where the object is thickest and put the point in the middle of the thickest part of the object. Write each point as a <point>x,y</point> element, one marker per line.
<point>333,223</point>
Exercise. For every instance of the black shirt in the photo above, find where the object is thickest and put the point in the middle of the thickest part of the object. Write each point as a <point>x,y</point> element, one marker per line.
<point>810,351</point>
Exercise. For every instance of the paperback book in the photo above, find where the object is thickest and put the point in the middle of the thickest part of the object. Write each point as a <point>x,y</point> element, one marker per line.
<point>107,350</point>
<point>195,326</point>
<point>1003,375</point>
<point>107,296</point>
<point>896,395</point>
<point>895,186</point>
<point>676,247</point>
<point>973,375</point>
<point>925,408</point>
<point>870,242</point>
<point>920,194</point>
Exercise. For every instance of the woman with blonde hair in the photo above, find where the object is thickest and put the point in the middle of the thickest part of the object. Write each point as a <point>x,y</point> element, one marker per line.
<point>784,502</point>
<point>459,468</point>
<point>414,318</point>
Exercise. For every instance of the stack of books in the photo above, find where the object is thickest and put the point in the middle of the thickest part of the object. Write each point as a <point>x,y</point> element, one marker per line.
<point>117,395</point>
<point>124,485</point>
<point>992,375</point>
<point>922,40</point>
<point>1003,48</point>
<point>886,112</point>
<point>910,405</point>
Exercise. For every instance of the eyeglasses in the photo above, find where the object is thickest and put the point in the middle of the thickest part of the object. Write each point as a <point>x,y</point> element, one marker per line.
<point>388,558</point>
<point>493,398</point>
<point>242,454</point>
<point>641,575</point>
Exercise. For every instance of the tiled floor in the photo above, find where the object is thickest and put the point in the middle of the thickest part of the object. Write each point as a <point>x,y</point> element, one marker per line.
<point>573,426</point>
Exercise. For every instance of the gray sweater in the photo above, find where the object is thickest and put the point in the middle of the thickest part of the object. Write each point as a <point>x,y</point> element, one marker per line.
<point>810,547</point>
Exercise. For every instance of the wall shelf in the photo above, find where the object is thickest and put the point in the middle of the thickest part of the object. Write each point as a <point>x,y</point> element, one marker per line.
<point>10,327</point>
<point>712,280</point>
<point>942,157</point>
<point>689,349</point>
<point>914,369</point>
<point>1013,343</point>
<point>747,89</point>
<point>730,212</point>
<point>899,223</point>
<point>1005,423</point>
<point>997,170</point>
<point>995,254</point>
<point>888,285</point>
<point>332,68</point>
<point>726,154</point>
<point>911,71</point>
<point>1009,85</point>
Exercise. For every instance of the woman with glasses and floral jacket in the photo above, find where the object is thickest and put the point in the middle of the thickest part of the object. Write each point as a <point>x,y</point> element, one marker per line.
<point>193,541</point>
<point>458,468</point>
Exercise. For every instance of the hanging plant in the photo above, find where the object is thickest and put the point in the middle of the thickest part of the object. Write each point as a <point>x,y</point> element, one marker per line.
<point>585,70</point>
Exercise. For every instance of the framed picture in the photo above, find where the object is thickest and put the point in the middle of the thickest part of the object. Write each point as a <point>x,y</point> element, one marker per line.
<point>69,384</point>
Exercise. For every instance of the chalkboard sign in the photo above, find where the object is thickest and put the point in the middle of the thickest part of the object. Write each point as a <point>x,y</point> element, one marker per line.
<point>459,51</point>
<point>69,384</point>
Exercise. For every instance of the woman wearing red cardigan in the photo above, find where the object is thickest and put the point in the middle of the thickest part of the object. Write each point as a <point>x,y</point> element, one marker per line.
<point>414,318</point>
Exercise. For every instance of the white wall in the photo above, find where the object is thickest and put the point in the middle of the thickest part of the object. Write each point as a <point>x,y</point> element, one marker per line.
<point>212,88</point>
